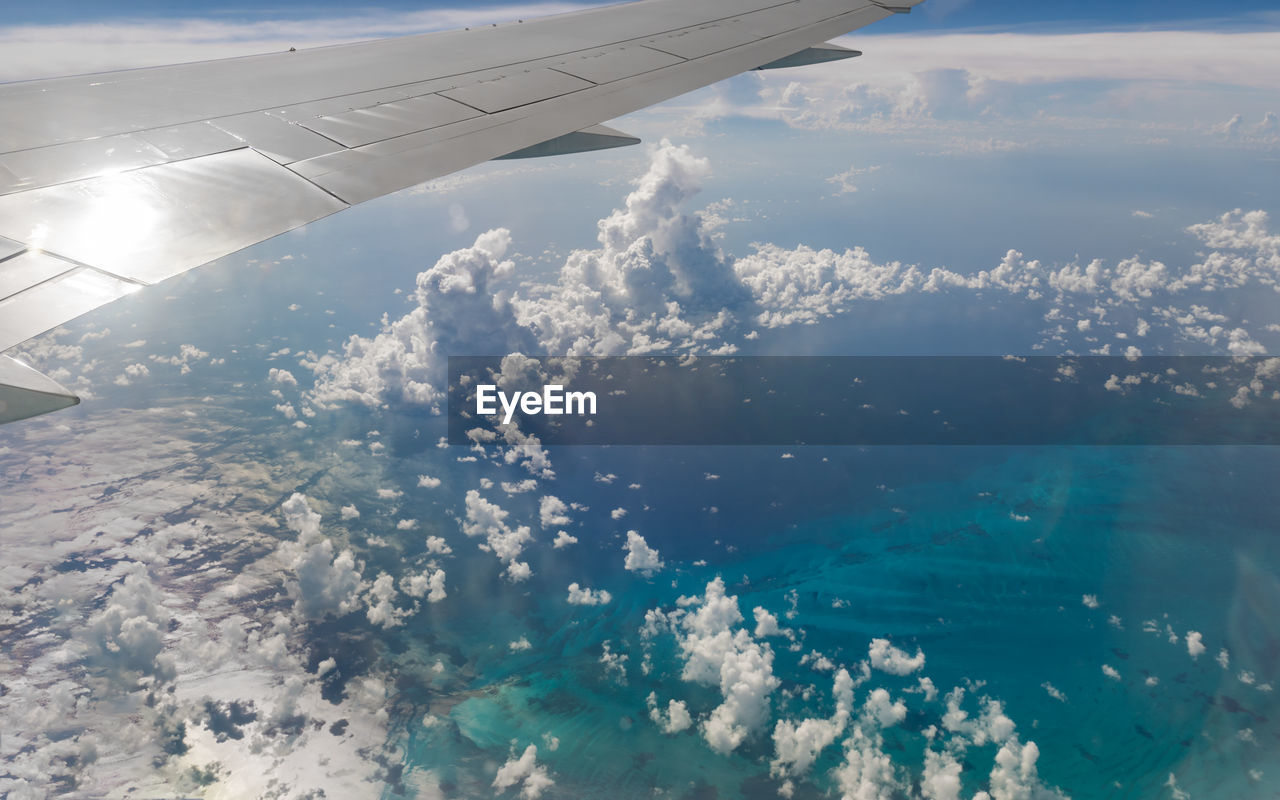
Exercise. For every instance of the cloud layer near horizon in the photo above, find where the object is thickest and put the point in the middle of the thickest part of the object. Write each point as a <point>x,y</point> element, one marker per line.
<point>658,282</point>
<point>28,52</point>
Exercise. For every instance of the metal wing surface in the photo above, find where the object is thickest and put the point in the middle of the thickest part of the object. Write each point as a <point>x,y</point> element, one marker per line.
<point>115,181</point>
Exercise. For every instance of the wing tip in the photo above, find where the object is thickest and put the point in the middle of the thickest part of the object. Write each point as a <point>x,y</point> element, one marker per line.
<point>27,393</point>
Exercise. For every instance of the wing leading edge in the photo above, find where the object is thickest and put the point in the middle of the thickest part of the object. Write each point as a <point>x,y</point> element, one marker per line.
<point>112,182</point>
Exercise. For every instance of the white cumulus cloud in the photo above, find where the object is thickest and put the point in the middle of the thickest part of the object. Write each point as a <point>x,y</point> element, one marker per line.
<point>718,652</point>
<point>525,772</point>
<point>887,658</point>
<point>641,557</point>
<point>488,520</point>
<point>674,719</point>
<point>1195,644</point>
<point>579,596</point>
<point>553,512</point>
<point>324,583</point>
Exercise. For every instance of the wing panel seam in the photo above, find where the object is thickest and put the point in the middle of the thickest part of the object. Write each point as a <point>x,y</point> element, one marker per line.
<point>571,75</point>
<point>324,189</point>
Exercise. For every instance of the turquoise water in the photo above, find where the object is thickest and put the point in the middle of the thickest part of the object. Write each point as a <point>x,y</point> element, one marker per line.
<point>981,558</point>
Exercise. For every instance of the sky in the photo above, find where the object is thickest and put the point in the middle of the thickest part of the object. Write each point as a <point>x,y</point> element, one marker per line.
<point>244,557</point>
<point>935,15</point>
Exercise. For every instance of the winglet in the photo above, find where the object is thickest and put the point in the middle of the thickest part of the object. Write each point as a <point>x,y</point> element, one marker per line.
<point>597,137</point>
<point>26,393</point>
<point>819,54</point>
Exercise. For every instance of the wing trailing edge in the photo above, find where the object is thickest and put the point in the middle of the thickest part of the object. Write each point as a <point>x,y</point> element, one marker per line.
<point>597,137</point>
<point>819,54</point>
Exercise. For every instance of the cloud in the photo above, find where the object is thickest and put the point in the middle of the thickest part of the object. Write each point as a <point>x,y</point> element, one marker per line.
<point>883,709</point>
<point>718,653</point>
<point>127,635</point>
<point>941,777</point>
<point>641,557</point>
<point>518,571</point>
<point>846,182</point>
<point>525,772</point>
<point>107,43</point>
<point>766,623</point>
<point>428,584</point>
<point>796,746</point>
<point>187,353</point>
<point>281,376</point>
<point>1229,128</point>
<point>1015,775</point>
<point>658,283</point>
<point>324,583</point>
<point>615,664</point>
<point>992,725</point>
<point>458,220</point>
<point>428,482</point>
<point>802,285</point>
<point>1242,231</point>
<point>552,512</point>
<point>1195,647</point>
<point>739,678</point>
<point>124,697</point>
<point>132,373</point>
<point>487,519</point>
<point>586,597</point>
<point>925,686</point>
<point>887,658</point>
<point>382,610</point>
<point>459,309</point>
<point>867,772</point>
<point>1011,90</point>
<point>525,449</point>
<point>563,540</point>
<point>674,720</point>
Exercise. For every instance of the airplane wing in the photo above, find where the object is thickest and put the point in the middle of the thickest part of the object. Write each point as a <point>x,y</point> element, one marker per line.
<point>115,181</point>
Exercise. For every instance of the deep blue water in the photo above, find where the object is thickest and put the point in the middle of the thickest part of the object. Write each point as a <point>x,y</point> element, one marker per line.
<point>941,558</point>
